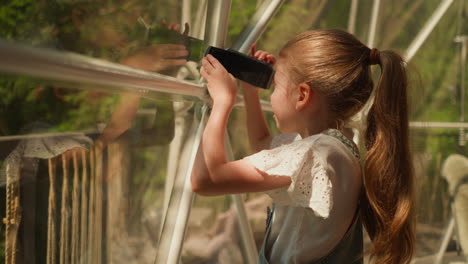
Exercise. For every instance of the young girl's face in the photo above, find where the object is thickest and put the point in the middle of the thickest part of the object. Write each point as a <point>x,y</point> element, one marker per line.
<point>282,99</point>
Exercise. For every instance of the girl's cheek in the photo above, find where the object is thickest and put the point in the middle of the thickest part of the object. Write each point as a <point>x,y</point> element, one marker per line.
<point>272,96</point>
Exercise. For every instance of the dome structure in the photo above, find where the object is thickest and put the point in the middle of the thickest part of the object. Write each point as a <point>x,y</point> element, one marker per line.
<point>111,90</point>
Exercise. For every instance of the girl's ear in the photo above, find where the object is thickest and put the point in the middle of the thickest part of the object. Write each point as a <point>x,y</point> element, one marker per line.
<point>304,96</point>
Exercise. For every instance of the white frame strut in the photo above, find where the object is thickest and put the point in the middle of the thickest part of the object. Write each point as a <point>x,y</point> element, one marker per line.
<point>70,67</point>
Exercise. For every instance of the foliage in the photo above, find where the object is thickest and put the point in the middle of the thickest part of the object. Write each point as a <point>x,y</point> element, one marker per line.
<point>112,30</point>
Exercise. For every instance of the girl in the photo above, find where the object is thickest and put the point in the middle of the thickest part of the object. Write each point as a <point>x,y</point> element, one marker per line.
<point>312,171</point>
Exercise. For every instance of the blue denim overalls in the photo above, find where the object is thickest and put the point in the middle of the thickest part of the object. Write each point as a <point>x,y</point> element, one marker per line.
<point>348,251</point>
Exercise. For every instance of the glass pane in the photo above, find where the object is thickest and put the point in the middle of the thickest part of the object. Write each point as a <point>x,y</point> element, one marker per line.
<point>145,34</point>
<point>85,173</point>
<point>435,96</point>
<point>240,16</point>
<point>212,233</point>
<point>132,171</point>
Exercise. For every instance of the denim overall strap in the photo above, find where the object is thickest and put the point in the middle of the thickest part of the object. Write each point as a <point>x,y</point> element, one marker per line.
<point>261,255</point>
<point>348,143</point>
<point>349,250</point>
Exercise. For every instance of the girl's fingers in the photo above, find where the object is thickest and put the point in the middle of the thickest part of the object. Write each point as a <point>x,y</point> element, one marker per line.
<point>253,50</point>
<point>261,55</point>
<point>265,56</point>
<point>271,59</point>
<point>203,72</point>
<point>213,61</point>
<point>207,64</point>
<point>204,63</point>
<point>257,53</point>
<point>186,28</point>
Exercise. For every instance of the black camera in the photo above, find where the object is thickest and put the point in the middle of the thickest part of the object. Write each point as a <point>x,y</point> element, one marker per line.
<point>245,68</point>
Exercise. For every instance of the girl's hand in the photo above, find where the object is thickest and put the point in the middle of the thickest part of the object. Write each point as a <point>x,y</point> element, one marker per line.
<point>262,55</point>
<point>221,84</point>
<point>176,27</point>
<point>158,57</point>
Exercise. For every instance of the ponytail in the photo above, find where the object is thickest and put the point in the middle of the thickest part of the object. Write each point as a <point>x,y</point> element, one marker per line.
<point>387,207</point>
<point>336,64</point>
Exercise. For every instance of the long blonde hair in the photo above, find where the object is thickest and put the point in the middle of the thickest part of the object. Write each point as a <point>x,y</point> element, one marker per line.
<point>337,65</point>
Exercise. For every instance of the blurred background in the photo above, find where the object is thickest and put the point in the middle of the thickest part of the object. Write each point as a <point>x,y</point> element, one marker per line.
<point>101,103</point>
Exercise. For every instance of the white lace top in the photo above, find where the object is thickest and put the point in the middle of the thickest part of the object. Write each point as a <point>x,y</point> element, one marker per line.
<point>312,213</point>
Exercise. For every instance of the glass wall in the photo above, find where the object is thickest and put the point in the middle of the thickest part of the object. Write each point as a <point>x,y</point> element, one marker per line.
<point>213,234</point>
<point>86,176</point>
<point>96,172</point>
<point>436,100</point>
<point>158,36</point>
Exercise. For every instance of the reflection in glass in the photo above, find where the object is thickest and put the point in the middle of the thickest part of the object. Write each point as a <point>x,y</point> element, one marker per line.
<point>116,152</point>
<point>213,234</point>
<point>83,173</point>
<point>143,34</point>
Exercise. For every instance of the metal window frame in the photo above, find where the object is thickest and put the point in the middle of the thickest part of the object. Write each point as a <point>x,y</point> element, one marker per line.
<point>19,59</point>
<point>173,230</point>
<point>216,35</point>
<point>352,16</point>
<point>71,67</point>
<point>373,23</point>
<point>257,25</point>
<point>427,29</point>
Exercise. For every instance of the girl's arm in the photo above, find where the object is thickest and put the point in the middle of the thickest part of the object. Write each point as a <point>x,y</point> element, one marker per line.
<point>212,174</point>
<point>257,128</point>
<point>259,134</point>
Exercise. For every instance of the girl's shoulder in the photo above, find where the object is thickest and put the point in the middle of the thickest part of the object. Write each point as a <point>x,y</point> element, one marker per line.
<point>292,138</point>
<point>317,165</point>
<point>330,142</point>
<point>283,139</point>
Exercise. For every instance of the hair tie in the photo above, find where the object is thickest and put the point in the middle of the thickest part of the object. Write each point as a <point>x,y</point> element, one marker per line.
<point>374,57</point>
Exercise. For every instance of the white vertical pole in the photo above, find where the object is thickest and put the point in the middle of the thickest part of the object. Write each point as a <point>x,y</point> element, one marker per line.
<point>427,29</point>
<point>180,113</point>
<point>373,24</point>
<point>200,20</point>
<point>352,16</point>
<point>247,238</point>
<point>463,40</point>
<point>370,43</point>
<point>445,241</point>
<point>175,222</point>
<point>186,13</point>
<point>216,29</point>
<point>183,212</point>
<point>257,25</point>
